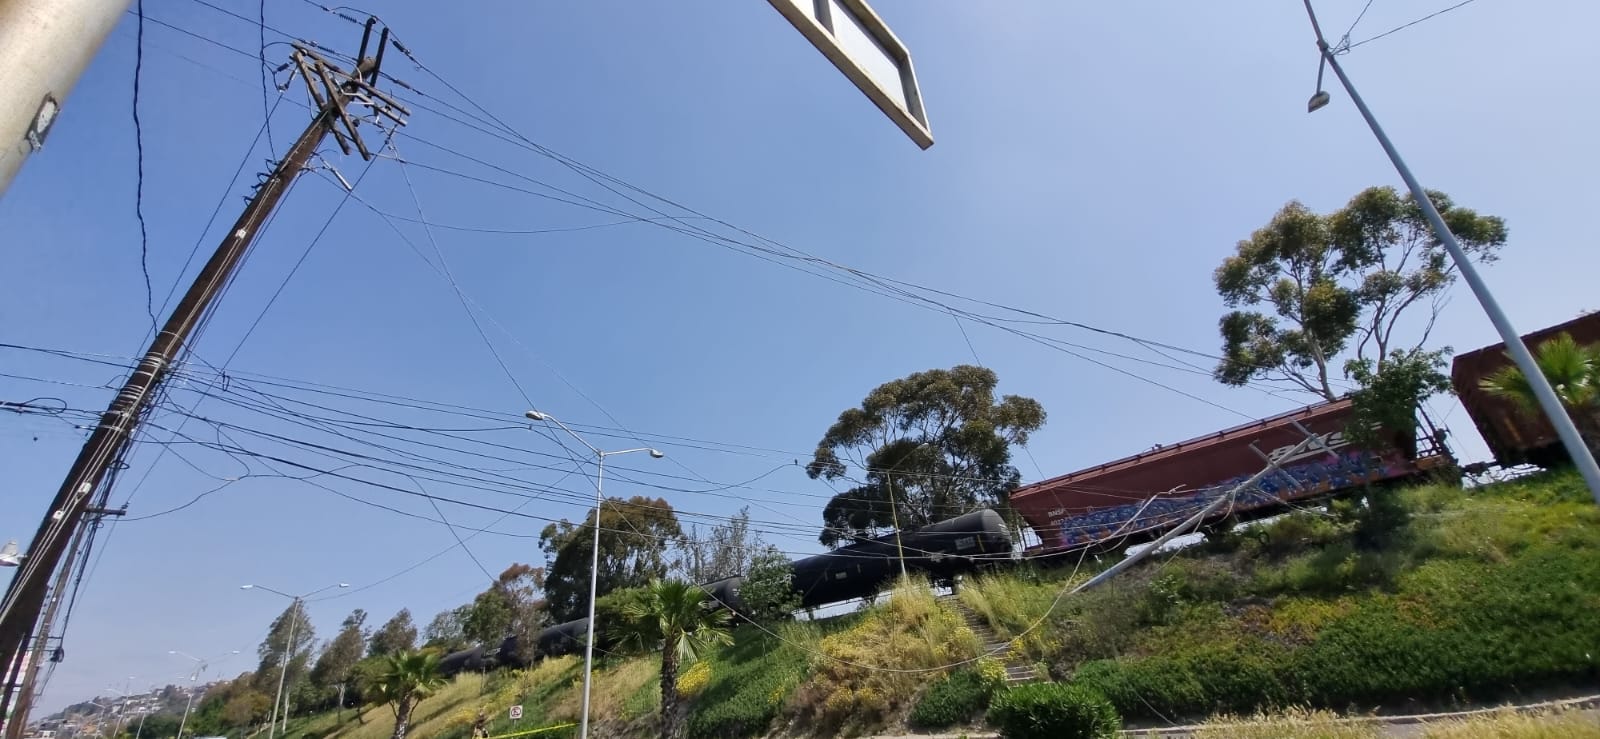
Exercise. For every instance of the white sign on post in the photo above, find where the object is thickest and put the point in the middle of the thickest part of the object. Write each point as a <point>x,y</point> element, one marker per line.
<point>516,713</point>
<point>858,42</point>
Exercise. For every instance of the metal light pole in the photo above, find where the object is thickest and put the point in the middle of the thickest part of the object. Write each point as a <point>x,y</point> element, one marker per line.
<point>103,707</point>
<point>1570,438</point>
<point>122,711</point>
<point>200,666</point>
<point>288,652</point>
<point>44,47</point>
<point>594,562</point>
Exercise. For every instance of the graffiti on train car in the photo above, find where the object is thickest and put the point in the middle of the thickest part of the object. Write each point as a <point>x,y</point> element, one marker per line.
<point>1320,474</point>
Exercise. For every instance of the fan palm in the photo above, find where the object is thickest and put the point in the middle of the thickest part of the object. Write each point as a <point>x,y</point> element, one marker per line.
<point>407,678</point>
<point>1572,369</point>
<point>681,620</point>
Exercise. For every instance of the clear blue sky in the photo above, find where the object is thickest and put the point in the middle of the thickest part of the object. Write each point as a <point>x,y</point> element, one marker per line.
<point>1093,162</point>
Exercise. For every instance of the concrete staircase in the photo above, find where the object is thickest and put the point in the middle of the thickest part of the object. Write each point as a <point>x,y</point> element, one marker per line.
<point>1018,671</point>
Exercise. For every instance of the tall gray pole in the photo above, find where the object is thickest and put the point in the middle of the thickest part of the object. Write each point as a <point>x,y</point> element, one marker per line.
<point>594,583</point>
<point>1553,410</point>
<point>184,722</point>
<point>594,562</point>
<point>44,47</point>
<point>283,671</point>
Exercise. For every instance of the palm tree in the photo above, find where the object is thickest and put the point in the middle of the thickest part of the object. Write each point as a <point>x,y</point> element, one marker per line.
<point>1573,370</point>
<point>407,678</point>
<point>682,621</point>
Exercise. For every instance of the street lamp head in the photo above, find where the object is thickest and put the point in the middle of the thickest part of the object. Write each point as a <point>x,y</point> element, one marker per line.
<point>656,453</point>
<point>246,587</point>
<point>344,585</point>
<point>537,416</point>
<point>1317,101</point>
<point>1321,97</point>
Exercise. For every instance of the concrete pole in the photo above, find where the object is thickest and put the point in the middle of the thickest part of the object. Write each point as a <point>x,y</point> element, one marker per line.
<point>1549,402</point>
<point>283,671</point>
<point>44,47</point>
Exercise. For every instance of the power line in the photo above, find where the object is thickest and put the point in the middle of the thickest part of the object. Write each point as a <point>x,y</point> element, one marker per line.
<point>455,286</point>
<point>874,283</point>
<point>788,253</point>
<point>232,389</point>
<point>1404,26</point>
<point>138,197</point>
<point>1357,21</point>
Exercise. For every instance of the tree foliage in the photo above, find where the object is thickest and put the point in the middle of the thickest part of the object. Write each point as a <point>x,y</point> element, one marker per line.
<point>679,619</point>
<point>154,726</point>
<point>1306,288</point>
<point>768,591</point>
<point>509,606</point>
<point>231,704</point>
<point>446,630</point>
<point>935,443</point>
<point>724,552</point>
<point>1573,370</point>
<point>341,655</point>
<point>398,634</point>
<point>635,540</point>
<point>277,649</point>
<point>1384,403</point>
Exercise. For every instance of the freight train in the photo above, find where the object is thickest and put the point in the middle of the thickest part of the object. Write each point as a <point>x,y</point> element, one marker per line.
<point>1144,495</point>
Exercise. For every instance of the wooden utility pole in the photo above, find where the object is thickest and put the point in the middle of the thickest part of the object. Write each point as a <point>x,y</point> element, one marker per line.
<point>335,93</point>
<point>25,687</point>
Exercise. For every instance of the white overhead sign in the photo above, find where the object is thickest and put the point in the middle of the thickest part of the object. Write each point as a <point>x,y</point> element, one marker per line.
<point>856,40</point>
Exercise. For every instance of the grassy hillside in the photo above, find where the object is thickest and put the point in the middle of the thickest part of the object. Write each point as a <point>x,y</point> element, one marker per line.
<point>1485,594</point>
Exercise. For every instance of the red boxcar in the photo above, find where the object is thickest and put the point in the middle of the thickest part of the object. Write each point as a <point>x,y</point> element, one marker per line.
<point>1514,436</point>
<point>1148,492</point>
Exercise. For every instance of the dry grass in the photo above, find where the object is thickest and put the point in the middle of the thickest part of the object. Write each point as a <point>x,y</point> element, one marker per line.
<point>1013,605</point>
<point>614,693</point>
<point>1305,724</point>
<point>1511,725</point>
<point>851,688</point>
<point>1292,724</point>
<point>432,716</point>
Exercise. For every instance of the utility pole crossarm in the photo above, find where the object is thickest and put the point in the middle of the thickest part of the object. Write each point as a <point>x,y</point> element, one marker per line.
<point>87,482</point>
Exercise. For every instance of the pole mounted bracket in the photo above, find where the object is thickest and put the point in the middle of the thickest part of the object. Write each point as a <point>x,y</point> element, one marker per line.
<point>335,90</point>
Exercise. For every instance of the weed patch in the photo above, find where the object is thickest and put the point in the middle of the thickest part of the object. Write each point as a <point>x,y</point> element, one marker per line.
<point>858,681</point>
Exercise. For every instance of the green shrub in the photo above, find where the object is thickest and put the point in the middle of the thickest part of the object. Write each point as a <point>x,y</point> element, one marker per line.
<point>1558,486</point>
<point>749,683</point>
<point>1382,522</point>
<point>954,699</point>
<point>1336,569</point>
<point>1457,629</point>
<point>1096,624</point>
<point>1053,711</point>
<point>1298,532</point>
